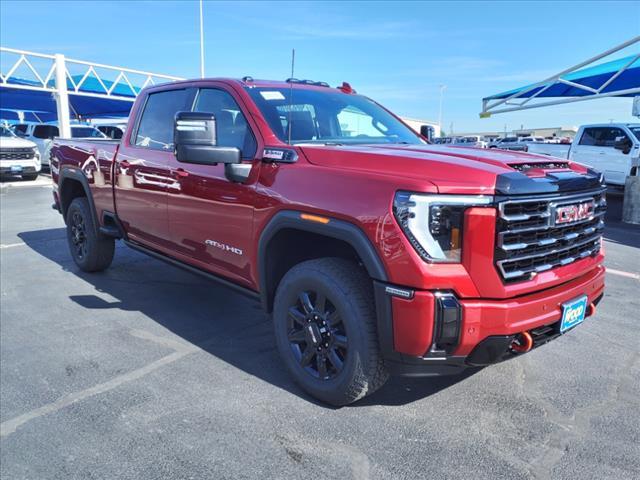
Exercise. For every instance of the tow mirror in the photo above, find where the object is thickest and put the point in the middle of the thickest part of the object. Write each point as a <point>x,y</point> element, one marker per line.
<point>195,140</point>
<point>622,143</point>
<point>427,132</point>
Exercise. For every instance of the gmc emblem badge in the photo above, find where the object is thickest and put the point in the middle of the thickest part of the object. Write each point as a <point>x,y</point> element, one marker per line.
<point>574,213</point>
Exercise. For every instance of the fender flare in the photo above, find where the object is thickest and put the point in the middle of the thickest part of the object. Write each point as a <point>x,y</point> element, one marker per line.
<point>338,229</point>
<point>77,175</point>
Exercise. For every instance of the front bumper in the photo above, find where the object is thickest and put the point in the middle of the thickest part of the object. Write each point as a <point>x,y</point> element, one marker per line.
<point>487,328</point>
<point>18,167</point>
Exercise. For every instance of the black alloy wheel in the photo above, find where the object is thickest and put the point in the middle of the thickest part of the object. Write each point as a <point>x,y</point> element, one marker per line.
<point>317,335</point>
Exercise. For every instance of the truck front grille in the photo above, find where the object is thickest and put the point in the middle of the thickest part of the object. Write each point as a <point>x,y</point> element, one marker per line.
<point>529,240</point>
<point>16,153</point>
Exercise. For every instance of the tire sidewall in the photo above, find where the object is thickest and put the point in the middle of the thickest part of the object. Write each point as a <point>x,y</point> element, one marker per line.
<point>301,279</point>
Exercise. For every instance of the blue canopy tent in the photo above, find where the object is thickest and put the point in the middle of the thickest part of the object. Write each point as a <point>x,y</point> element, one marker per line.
<point>616,78</point>
<point>39,105</point>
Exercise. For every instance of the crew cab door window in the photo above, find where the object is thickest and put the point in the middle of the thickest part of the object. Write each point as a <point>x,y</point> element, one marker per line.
<point>155,129</point>
<point>46,131</point>
<point>231,124</point>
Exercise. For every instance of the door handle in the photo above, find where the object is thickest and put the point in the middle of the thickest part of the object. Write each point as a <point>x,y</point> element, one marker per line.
<point>181,172</point>
<point>125,164</point>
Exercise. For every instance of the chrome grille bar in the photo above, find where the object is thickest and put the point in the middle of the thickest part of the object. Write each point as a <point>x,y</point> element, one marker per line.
<point>529,242</point>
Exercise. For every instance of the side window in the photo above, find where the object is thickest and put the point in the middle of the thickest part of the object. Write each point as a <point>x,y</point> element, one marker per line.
<point>231,124</point>
<point>589,137</point>
<point>610,135</point>
<point>20,129</point>
<point>155,129</point>
<point>45,131</point>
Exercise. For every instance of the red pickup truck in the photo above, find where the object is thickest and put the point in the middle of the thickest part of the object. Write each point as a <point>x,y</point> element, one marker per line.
<point>376,252</point>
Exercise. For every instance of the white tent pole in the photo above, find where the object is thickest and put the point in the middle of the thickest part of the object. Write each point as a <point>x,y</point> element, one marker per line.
<point>62,97</point>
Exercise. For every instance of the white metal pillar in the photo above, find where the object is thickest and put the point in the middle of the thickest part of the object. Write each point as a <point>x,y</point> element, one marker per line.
<point>62,97</point>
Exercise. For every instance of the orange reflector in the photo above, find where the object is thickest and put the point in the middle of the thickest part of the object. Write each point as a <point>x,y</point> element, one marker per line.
<point>314,218</point>
<point>455,238</point>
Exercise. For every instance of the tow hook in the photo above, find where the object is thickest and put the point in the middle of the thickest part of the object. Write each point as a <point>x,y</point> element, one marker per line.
<point>522,343</point>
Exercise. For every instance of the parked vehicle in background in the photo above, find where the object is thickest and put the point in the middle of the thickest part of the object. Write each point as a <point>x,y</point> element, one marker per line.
<point>375,252</point>
<point>509,143</point>
<point>18,156</point>
<point>560,150</point>
<point>612,148</point>
<point>470,141</point>
<point>42,134</point>
<point>531,140</point>
<point>114,131</point>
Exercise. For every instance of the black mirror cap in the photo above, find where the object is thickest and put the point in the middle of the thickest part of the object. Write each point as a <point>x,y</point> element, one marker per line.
<point>195,128</point>
<point>207,154</point>
<point>427,132</point>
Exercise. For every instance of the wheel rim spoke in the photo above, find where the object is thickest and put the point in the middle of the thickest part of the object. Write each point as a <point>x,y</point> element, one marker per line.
<point>297,336</point>
<point>321,363</point>
<point>297,316</point>
<point>333,319</point>
<point>321,301</point>
<point>305,301</point>
<point>307,356</point>
<point>340,340</point>
<point>335,359</point>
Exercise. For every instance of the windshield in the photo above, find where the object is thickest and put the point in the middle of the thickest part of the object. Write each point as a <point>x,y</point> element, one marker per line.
<point>636,132</point>
<point>329,117</point>
<point>5,132</point>
<point>86,132</point>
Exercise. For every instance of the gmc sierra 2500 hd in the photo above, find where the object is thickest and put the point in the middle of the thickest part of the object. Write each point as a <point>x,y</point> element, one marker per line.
<point>376,252</point>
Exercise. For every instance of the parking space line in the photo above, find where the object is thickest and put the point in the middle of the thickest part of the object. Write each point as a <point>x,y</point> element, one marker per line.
<point>621,273</point>
<point>181,350</point>
<point>10,426</point>
<point>11,245</point>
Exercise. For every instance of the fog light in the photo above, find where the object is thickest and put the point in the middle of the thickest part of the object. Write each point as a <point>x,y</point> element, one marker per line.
<point>448,321</point>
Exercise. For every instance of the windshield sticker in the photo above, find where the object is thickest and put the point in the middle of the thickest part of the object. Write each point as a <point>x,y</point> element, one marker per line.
<point>272,95</point>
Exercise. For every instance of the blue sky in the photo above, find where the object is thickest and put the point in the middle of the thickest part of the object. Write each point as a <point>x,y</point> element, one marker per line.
<point>397,53</point>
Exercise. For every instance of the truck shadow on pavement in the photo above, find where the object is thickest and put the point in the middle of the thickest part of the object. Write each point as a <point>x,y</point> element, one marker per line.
<point>215,319</point>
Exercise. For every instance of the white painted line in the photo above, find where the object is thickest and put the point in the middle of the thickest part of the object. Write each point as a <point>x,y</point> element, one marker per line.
<point>182,350</point>
<point>11,245</point>
<point>10,426</point>
<point>621,273</point>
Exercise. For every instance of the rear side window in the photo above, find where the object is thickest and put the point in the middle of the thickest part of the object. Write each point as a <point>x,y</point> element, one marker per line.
<point>231,124</point>
<point>155,129</point>
<point>45,131</point>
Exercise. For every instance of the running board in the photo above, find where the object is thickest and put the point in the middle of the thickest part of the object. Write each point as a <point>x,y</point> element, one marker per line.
<point>177,263</point>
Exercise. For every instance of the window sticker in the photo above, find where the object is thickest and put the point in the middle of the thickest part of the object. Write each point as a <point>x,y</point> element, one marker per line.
<point>273,95</point>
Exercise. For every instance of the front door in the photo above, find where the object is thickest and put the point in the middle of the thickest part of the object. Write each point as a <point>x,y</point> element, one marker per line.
<point>142,173</point>
<point>211,218</point>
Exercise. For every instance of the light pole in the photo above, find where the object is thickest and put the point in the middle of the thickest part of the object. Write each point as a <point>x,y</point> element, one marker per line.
<point>201,43</point>
<point>442,89</point>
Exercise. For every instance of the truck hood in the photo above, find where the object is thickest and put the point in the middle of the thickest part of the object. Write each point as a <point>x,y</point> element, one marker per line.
<point>15,142</point>
<point>459,170</point>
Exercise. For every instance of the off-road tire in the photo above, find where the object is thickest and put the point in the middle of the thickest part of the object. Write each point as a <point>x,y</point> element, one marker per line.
<point>96,251</point>
<point>349,289</point>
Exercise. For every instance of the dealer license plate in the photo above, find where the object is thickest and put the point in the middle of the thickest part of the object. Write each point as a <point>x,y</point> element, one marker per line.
<point>573,313</point>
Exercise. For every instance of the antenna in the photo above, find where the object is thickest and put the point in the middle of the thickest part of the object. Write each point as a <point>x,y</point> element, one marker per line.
<point>293,60</point>
<point>201,43</point>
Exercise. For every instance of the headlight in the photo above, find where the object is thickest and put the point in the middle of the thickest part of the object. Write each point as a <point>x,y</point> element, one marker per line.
<point>433,223</point>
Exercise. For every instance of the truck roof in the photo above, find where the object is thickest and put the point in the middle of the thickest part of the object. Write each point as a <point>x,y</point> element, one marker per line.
<point>260,83</point>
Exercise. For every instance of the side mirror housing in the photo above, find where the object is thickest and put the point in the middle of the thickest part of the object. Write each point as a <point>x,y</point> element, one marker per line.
<point>195,140</point>
<point>623,144</point>
<point>427,132</point>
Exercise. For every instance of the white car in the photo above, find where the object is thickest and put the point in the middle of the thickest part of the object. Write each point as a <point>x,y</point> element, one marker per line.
<point>42,134</point>
<point>18,156</point>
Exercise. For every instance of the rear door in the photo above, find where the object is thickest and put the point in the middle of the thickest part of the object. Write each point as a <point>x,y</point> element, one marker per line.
<point>211,218</point>
<point>142,174</point>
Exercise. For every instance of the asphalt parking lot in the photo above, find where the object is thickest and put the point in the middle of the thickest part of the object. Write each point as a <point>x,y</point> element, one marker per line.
<point>148,372</point>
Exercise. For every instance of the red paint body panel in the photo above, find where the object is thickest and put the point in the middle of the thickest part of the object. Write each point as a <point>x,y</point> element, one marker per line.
<point>186,211</point>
